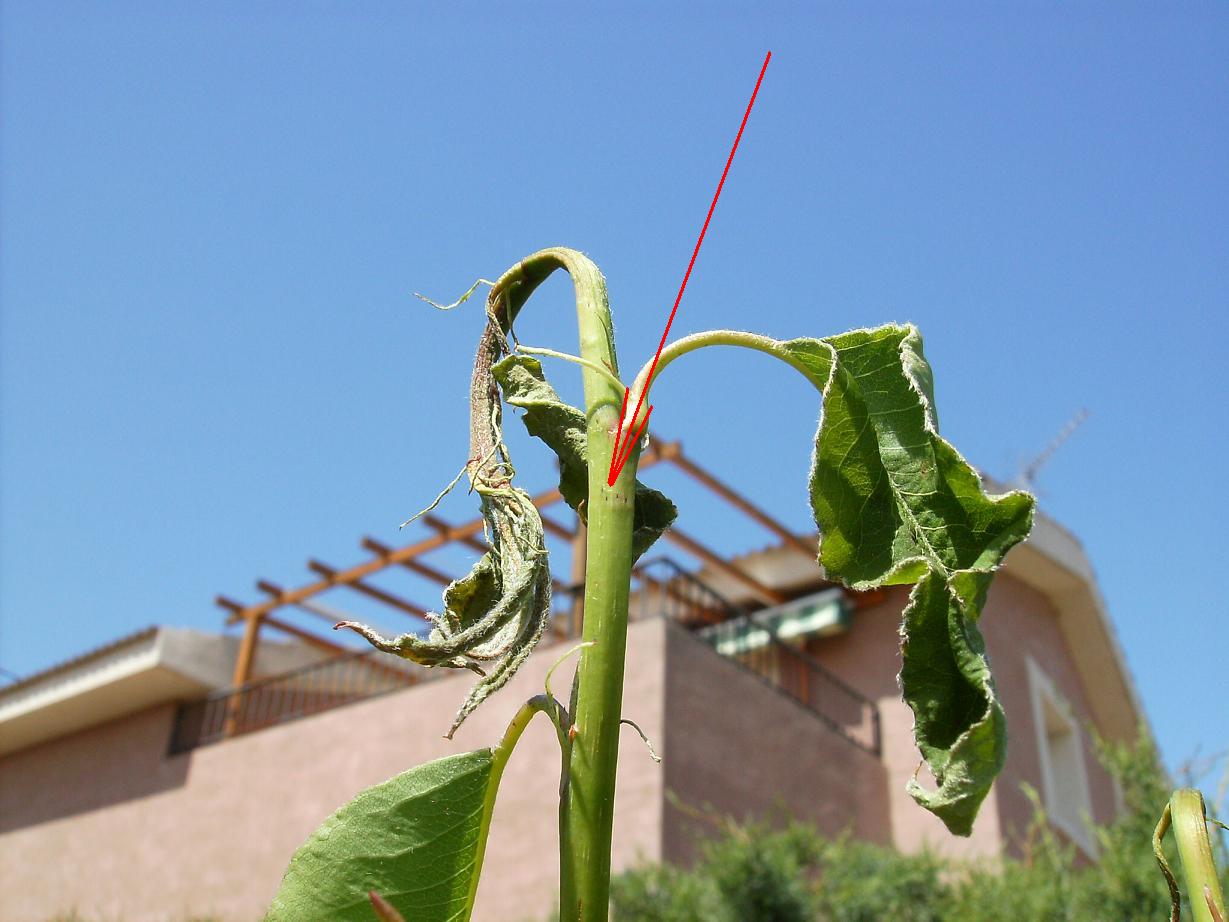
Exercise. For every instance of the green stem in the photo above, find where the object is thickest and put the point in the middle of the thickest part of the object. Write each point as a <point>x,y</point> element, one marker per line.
<point>588,809</point>
<point>1190,827</point>
<point>586,814</point>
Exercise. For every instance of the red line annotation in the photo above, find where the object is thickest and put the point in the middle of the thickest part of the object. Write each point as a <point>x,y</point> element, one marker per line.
<point>623,446</point>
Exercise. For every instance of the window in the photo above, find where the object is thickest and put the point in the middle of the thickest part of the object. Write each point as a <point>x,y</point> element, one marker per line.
<point>1060,746</point>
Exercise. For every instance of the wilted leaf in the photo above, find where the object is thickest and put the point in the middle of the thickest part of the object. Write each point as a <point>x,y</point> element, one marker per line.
<point>890,493</point>
<point>654,513</point>
<point>958,721</point>
<point>414,840</point>
<point>500,610</point>
<point>563,428</point>
<point>895,503</point>
<point>496,613</point>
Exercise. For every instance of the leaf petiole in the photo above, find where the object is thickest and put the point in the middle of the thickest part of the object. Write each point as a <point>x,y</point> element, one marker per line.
<point>680,347</point>
<point>576,359</point>
<point>499,760</point>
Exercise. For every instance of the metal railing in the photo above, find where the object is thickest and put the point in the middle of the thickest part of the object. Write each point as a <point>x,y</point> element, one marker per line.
<point>302,692</point>
<point>661,588</point>
<point>754,645</point>
<point>796,674</point>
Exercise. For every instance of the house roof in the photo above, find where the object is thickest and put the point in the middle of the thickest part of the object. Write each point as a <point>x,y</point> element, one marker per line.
<point>151,666</point>
<point>77,661</point>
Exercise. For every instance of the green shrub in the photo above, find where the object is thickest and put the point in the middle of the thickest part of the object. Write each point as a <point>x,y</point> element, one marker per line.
<point>764,875</point>
<point>755,874</point>
<point>792,875</point>
<point>667,894</point>
<point>861,882</point>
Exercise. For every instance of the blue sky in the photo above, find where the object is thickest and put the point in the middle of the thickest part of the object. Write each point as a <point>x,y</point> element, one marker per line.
<point>213,217</point>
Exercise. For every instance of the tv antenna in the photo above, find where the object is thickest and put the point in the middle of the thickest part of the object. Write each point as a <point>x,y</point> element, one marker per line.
<point>1027,478</point>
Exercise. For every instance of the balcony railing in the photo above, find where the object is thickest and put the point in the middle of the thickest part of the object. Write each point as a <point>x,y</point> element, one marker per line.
<point>754,644</point>
<point>278,699</point>
<point>660,589</point>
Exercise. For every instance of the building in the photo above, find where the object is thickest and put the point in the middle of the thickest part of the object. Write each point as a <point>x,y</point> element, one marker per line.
<point>171,774</point>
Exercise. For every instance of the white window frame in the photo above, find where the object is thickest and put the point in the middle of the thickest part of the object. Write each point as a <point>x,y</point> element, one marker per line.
<point>1043,692</point>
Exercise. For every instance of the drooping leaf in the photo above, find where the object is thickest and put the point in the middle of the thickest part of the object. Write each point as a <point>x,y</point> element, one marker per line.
<point>415,840</point>
<point>895,503</point>
<point>560,425</point>
<point>958,722</point>
<point>563,428</point>
<point>890,494</point>
<point>500,610</point>
<point>496,613</point>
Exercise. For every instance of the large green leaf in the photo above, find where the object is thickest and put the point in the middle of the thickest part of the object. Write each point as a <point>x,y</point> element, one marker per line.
<point>893,496</point>
<point>895,503</point>
<point>563,428</point>
<point>416,840</point>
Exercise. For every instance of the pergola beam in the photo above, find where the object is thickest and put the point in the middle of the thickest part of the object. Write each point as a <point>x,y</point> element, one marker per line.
<point>375,663</point>
<point>658,452</point>
<point>470,534</point>
<point>273,590</point>
<point>228,603</point>
<point>307,637</point>
<point>242,673</point>
<point>247,655</point>
<point>376,564</point>
<point>558,530</point>
<point>481,546</point>
<point>548,524</point>
<point>717,562</point>
<point>372,592</point>
<point>312,608</point>
<point>738,501</point>
<point>442,527</point>
<point>414,566</point>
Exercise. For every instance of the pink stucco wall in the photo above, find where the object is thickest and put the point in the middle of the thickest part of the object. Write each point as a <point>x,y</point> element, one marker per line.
<point>105,822</point>
<point>1018,622</point>
<point>737,747</point>
<point>211,833</point>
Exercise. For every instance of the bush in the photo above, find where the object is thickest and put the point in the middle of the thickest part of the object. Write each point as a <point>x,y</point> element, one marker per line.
<point>764,876</point>
<point>666,894</point>
<point>861,882</point>
<point>757,874</point>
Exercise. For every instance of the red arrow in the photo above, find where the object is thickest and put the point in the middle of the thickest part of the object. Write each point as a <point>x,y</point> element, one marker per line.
<point>623,447</point>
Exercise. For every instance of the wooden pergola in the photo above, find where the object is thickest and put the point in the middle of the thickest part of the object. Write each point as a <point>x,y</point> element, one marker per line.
<point>271,612</point>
